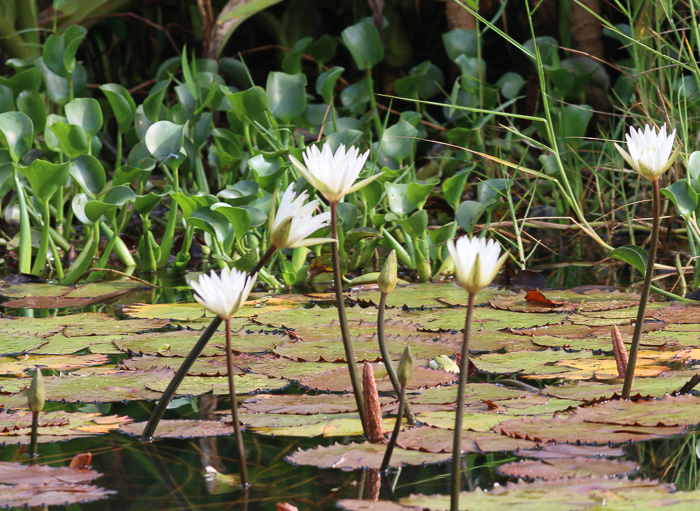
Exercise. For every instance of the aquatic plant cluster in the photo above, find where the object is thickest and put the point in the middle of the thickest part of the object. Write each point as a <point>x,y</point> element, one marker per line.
<point>292,184</point>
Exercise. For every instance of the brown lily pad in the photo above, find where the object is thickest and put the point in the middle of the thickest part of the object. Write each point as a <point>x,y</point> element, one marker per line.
<point>561,468</point>
<point>181,429</point>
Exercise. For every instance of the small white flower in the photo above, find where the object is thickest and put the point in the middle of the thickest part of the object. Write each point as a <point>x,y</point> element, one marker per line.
<point>293,222</point>
<point>649,152</point>
<point>223,295</point>
<point>331,174</point>
<point>476,261</point>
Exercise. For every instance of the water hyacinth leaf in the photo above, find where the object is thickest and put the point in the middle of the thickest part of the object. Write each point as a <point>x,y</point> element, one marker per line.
<point>45,177</point>
<point>325,83</point>
<point>86,113</point>
<point>632,255</point>
<point>417,192</point>
<point>164,140</point>
<point>88,173</point>
<point>460,42</point>
<point>7,102</point>
<point>398,140</point>
<point>489,190</point>
<point>468,214</point>
<point>561,78</point>
<point>575,119</point>
<point>510,84</point>
<point>346,137</point>
<point>239,193</point>
<point>416,224</point>
<point>154,102</point>
<point>430,79</point>
<point>266,170</point>
<point>286,95</point>
<point>453,186</point>
<point>108,204</point>
<point>59,50</point>
<point>694,169</point>
<point>144,204</point>
<point>29,102</point>
<point>191,203</point>
<point>212,222</point>
<point>71,137</point>
<point>122,104</point>
<point>17,130</point>
<point>548,47</point>
<point>249,105</point>
<point>397,195</point>
<point>683,196</point>
<point>238,217</point>
<point>364,43</point>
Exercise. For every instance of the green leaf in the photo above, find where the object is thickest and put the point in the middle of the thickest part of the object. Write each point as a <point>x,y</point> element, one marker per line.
<point>86,113</point>
<point>57,87</point>
<point>396,194</point>
<point>153,103</point>
<point>633,255</point>
<point>144,204</point>
<point>29,102</point>
<point>164,140</point>
<point>323,49</point>
<point>416,224</point>
<point>108,204</point>
<point>325,83</point>
<point>45,177</point>
<point>510,84</point>
<point>238,217</point>
<point>575,119</point>
<point>88,173</point>
<point>362,39</point>
<point>453,186</point>
<point>694,169</point>
<point>286,95</point>
<point>460,42</point>
<point>71,137</point>
<point>249,105</point>
<point>7,102</point>
<point>489,190</point>
<point>212,222</point>
<point>398,140</point>
<point>266,170</point>
<point>417,192</point>
<point>683,196</point>
<point>346,137</point>
<point>17,129</point>
<point>191,203</point>
<point>122,104</point>
<point>468,214</point>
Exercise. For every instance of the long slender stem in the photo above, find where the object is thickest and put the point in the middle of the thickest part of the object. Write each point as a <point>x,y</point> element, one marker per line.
<point>167,396</point>
<point>639,325</point>
<point>395,433</point>
<point>35,427</point>
<point>343,320</point>
<point>234,408</point>
<point>386,357</point>
<point>457,442</point>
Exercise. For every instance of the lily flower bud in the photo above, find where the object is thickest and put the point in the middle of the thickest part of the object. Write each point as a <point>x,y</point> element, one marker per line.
<point>36,392</point>
<point>405,371</point>
<point>388,275</point>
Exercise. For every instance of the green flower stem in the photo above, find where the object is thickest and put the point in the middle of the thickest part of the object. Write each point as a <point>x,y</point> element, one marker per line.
<point>40,261</point>
<point>234,408</point>
<point>394,434</point>
<point>386,357</point>
<point>639,325</point>
<point>169,392</point>
<point>56,259</point>
<point>33,437</point>
<point>25,229</point>
<point>457,442</point>
<point>373,104</point>
<point>167,243</point>
<point>343,320</point>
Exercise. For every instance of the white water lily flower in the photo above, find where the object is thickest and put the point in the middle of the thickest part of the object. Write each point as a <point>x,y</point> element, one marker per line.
<point>331,174</point>
<point>476,261</point>
<point>293,222</point>
<point>649,152</point>
<point>223,294</point>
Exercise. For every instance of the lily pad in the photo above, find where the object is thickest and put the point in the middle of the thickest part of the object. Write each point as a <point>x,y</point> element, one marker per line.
<point>563,468</point>
<point>181,429</point>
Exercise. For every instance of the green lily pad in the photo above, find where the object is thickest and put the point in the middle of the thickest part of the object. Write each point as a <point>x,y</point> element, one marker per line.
<point>218,385</point>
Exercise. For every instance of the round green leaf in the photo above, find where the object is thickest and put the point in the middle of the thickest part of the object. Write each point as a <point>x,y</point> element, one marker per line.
<point>325,83</point>
<point>71,137</point>
<point>468,214</point>
<point>213,222</point>
<point>362,39</point>
<point>460,42</point>
<point>86,113</point>
<point>108,204</point>
<point>29,102</point>
<point>122,105</point>
<point>266,170</point>
<point>239,218</point>
<point>164,140</point>
<point>398,140</point>
<point>286,95</point>
<point>45,177</point>
<point>683,197</point>
<point>57,87</point>
<point>17,129</point>
<point>633,255</point>
<point>88,173</point>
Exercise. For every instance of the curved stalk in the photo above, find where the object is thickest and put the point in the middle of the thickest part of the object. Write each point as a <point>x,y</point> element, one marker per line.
<point>169,392</point>
<point>395,433</point>
<point>639,325</point>
<point>388,364</point>
<point>40,261</point>
<point>234,408</point>
<point>25,229</point>
<point>457,441</point>
<point>343,320</point>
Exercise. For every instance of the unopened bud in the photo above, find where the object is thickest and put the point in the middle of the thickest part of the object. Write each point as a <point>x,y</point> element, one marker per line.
<point>387,277</point>
<point>405,371</point>
<point>36,392</point>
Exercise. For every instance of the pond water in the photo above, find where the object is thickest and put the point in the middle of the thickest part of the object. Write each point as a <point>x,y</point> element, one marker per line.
<point>174,473</point>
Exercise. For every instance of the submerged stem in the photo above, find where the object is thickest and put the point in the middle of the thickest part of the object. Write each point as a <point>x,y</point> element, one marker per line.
<point>386,357</point>
<point>343,320</point>
<point>639,325</point>
<point>457,441</point>
<point>234,408</point>
<point>395,433</point>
